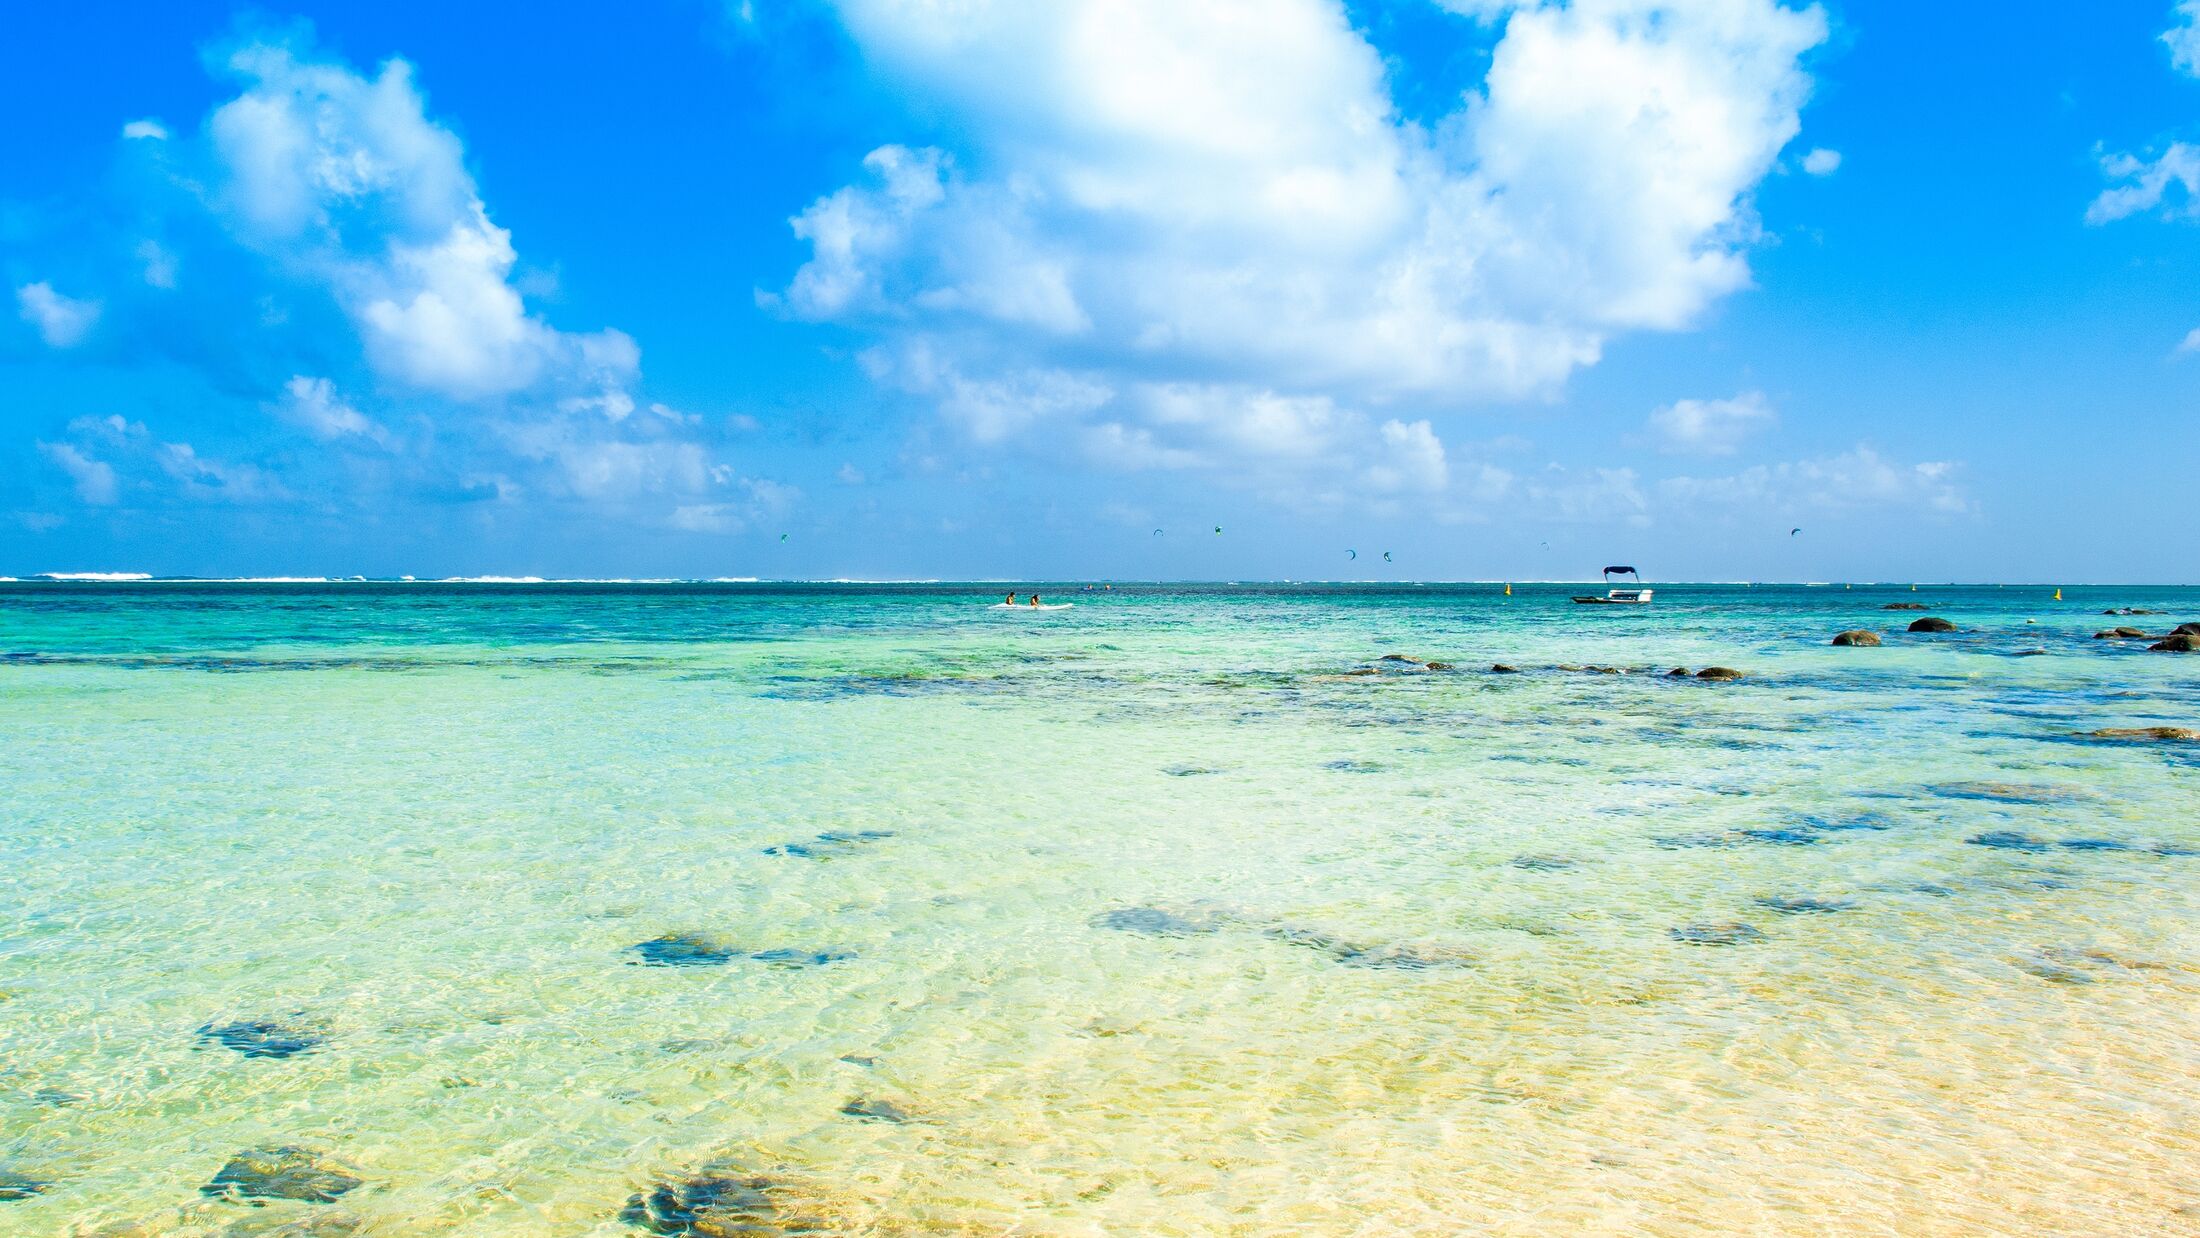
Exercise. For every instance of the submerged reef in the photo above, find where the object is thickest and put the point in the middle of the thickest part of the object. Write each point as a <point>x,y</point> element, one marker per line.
<point>263,1038</point>
<point>693,950</point>
<point>722,1202</point>
<point>1727,934</point>
<point>282,1172</point>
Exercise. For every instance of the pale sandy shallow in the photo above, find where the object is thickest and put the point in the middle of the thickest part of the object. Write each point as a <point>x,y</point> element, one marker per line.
<point>436,852</point>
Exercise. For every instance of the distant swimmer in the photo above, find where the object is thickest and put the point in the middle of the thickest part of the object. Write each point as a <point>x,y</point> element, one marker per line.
<point>1011,600</point>
<point>1034,598</point>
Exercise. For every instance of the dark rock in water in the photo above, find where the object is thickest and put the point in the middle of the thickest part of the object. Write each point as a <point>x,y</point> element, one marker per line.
<point>1502,669</point>
<point>2093,844</point>
<point>281,1172</point>
<point>2143,733</point>
<point>1903,606</point>
<point>2128,633</point>
<point>1352,767</point>
<point>2005,792</point>
<point>1189,771</point>
<point>2007,840</point>
<point>1861,821</point>
<point>1930,624</point>
<point>1439,666</point>
<point>1857,637</point>
<point>829,844</point>
<point>2186,629</point>
<point>1786,836</point>
<point>716,1203</point>
<point>1398,657</point>
<point>1678,672</point>
<point>1718,672</point>
<point>2029,653</point>
<point>784,957</point>
<point>2186,643</point>
<point>1803,906</point>
<point>261,1038</point>
<point>1402,958</point>
<point>1678,842</point>
<point>683,950</point>
<point>1716,934</point>
<point>1543,863</point>
<point>872,1110</point>
<point>1152,921</point>
<point>17,1186</point>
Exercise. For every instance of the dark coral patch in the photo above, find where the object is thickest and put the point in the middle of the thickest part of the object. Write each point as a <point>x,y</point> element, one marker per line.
<point>1152,921</point>
<point>829,844</point>
<point>281,1172</point>
<point>2007,840</point>
<point>1803,906</point>
<point>872,1109</point>
<point>262,1038</point>
<point>783,957</point>
<point>1786,836</point>
<point>19,1186</point>
<point>683,950</point>
<point>716,1203</point>
<point>1716,934</point>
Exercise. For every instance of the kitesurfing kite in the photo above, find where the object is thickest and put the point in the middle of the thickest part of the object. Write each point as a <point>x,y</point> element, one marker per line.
<point>1218,530</point>
<point>1386,556</point>
<point>1793,532</point>
<point>1354,553</point>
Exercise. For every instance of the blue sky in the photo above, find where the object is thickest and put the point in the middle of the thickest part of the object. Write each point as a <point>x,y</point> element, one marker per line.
<point>979,288</point>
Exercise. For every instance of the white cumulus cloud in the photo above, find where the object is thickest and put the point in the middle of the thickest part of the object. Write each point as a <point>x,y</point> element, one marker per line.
<point>93,479</point>
<point>1202,234</point>
<point>344,179</point>
<point>2183,39</point>
<point>315,404</point>
<point>147,130</point>
<point>1710,427</point>
<point>1822,162</point>
<point>62,322</point>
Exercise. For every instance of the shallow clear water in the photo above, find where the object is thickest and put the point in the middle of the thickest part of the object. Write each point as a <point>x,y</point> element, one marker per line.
<point>1146,915</point>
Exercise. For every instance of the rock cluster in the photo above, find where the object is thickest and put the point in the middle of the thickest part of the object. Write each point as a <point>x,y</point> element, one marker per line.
<point>1932,624</point>
<point>282,1172</point>
<point>1858,637</point>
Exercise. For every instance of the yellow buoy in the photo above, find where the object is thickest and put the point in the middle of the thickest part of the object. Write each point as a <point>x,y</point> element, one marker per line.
<point>1508,589</point>
<point>2058,595</point>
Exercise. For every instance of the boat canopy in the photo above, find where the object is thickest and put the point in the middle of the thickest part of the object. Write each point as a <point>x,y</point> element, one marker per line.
<point>1611,571</point>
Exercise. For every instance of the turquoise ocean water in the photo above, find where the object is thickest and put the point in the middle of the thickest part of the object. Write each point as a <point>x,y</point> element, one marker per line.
<point>1143,917</point>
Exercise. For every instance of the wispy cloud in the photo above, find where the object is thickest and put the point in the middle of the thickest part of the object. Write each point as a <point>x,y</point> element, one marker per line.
<point>1710,427</point>
<point>62,322</point>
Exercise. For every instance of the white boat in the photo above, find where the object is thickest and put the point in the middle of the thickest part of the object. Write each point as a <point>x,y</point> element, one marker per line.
<point>1635,596</point>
